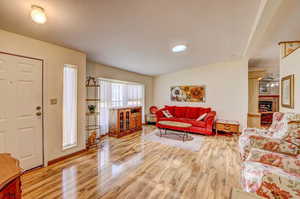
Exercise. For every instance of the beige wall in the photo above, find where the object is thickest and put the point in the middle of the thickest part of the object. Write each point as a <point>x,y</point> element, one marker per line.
<point>288,66</point>
<point>226,88</point>
<point>100,70</point>
<point>54,59</point>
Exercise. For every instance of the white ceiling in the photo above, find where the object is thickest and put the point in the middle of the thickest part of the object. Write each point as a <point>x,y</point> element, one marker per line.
<point>284,26</point>
<point>137,35</point>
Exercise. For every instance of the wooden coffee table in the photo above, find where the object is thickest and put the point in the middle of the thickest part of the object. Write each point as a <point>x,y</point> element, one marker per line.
<point>184,126</point>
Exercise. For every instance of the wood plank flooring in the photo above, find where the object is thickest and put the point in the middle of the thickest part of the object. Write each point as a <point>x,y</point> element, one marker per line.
<point>131,168</point>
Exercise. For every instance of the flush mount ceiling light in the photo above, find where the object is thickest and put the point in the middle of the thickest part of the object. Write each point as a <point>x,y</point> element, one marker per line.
<point>38,14</point>
<point>179,48</point>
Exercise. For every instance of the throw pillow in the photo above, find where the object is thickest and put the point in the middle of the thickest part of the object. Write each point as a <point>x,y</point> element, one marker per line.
<point>167,114</point>
<point>201,117</point>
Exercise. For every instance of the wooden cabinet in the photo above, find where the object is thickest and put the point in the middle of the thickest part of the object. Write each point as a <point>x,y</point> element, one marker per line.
<point>12,190</point>
<point>227,126</point>
<point>10,172</point>
<point>123,121</point>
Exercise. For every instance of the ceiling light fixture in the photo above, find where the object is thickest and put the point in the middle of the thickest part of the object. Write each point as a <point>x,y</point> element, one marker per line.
<point>179,48</point>
<point>38,14</point>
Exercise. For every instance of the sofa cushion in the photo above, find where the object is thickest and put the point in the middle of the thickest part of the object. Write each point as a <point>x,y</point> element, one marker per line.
<point>204,110</point>
<point>180,112</point>
<point>198,123</point>
<point>171,109</point>
<point>192,112</point>
<point>185,120</point>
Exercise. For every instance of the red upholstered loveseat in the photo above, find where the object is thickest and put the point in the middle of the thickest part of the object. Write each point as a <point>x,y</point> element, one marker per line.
<point>188,115</point>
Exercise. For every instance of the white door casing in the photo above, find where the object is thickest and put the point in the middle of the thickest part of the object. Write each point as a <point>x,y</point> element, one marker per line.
<point>21,121</point>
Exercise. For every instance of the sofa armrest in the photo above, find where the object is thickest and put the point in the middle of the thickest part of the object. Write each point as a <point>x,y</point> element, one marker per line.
<point>268,181</point>
<point>209,120</point>
<point>159,114</point>
<point>247,142</point>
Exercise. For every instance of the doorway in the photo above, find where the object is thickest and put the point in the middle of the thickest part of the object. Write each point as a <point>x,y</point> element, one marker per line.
<point>21,109</point>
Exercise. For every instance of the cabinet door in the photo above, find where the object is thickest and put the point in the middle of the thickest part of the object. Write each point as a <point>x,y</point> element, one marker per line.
<point>127,119</point>
<point>132,121</point>
<point>121,120</point>
<point>139,120</point>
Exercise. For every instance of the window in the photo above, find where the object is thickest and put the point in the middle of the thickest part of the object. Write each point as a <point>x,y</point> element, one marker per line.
<point>135,95</point>
<point>69,107</point>
<point>117,94</point>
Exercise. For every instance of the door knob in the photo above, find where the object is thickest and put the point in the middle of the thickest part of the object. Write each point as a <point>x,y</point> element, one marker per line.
<point>38,108</point>
<point>38,113</point>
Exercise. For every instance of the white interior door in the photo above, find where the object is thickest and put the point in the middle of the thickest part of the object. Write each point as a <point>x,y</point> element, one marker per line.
<point>21,122</point>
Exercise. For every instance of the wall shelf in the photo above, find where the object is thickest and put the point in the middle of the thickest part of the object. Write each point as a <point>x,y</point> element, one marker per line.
<point>92,100</point>
<point>92,118</point>
<point>92,86</point>
<point>92,114</point>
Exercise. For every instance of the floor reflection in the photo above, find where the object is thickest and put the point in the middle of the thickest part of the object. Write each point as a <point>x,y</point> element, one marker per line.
<point>69,183</point>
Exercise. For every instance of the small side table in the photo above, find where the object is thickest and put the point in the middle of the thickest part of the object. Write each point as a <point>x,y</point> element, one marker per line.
<point>228,126</point>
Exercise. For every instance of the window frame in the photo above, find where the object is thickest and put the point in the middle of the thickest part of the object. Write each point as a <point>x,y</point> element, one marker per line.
<point>66,147</point>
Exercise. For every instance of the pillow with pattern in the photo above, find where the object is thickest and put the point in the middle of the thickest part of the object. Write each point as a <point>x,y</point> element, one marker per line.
<point>201,117</point>
<point>167,114</point>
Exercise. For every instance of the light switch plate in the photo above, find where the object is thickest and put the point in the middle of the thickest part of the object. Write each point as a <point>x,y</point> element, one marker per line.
<point>53,101</point>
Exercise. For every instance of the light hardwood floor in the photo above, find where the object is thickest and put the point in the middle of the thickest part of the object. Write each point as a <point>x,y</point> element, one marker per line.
<point>133,168</point>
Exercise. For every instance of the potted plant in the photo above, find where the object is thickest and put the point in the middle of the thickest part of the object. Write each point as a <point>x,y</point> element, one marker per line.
<point>92,108</point>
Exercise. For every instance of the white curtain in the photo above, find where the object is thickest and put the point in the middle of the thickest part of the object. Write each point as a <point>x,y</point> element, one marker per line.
<point>117,94</point>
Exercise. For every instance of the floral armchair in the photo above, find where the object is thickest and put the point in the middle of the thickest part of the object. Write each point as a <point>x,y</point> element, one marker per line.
<point>283,136</point>
<point>271,175</point>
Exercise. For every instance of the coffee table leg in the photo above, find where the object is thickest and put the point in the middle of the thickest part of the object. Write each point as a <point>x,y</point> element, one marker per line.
<point>185,135</point>
<point>160,132</point>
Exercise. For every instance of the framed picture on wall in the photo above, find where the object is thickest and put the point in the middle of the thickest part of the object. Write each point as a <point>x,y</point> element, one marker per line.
<point>188,94</point>
<point>287,91</point>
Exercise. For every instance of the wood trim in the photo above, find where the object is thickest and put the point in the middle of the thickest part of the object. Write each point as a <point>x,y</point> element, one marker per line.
<point>285,54</point>
<point>32,170</point>
<point>294,122</point>
<point>12,54</point>
<point>66,157</point>
<point>292,94</point>
<point>291,52</point>
<point>288,42</point>
<point>254,114</point>
<point>284,50</point>
<point>268,96</point>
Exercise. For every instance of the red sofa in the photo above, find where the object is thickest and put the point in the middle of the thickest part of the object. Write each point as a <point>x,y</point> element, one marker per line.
<point>188,115</point>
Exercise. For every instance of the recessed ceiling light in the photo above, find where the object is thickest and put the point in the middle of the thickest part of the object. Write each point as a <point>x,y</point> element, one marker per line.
<point>38,14</point>
<point>179,48</point>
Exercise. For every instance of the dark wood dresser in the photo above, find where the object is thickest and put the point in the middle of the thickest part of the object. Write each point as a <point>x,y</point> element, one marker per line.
<point>10,177</point>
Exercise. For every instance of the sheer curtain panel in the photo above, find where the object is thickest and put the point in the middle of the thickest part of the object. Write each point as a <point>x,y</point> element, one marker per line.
<point>117,94</point>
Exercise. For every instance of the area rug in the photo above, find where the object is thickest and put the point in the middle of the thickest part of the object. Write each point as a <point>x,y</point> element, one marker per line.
<point>192,143</point>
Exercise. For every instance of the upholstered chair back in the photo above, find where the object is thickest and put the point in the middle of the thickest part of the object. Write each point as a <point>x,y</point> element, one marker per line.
<point>280,124</point>
<point>293,133</point>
